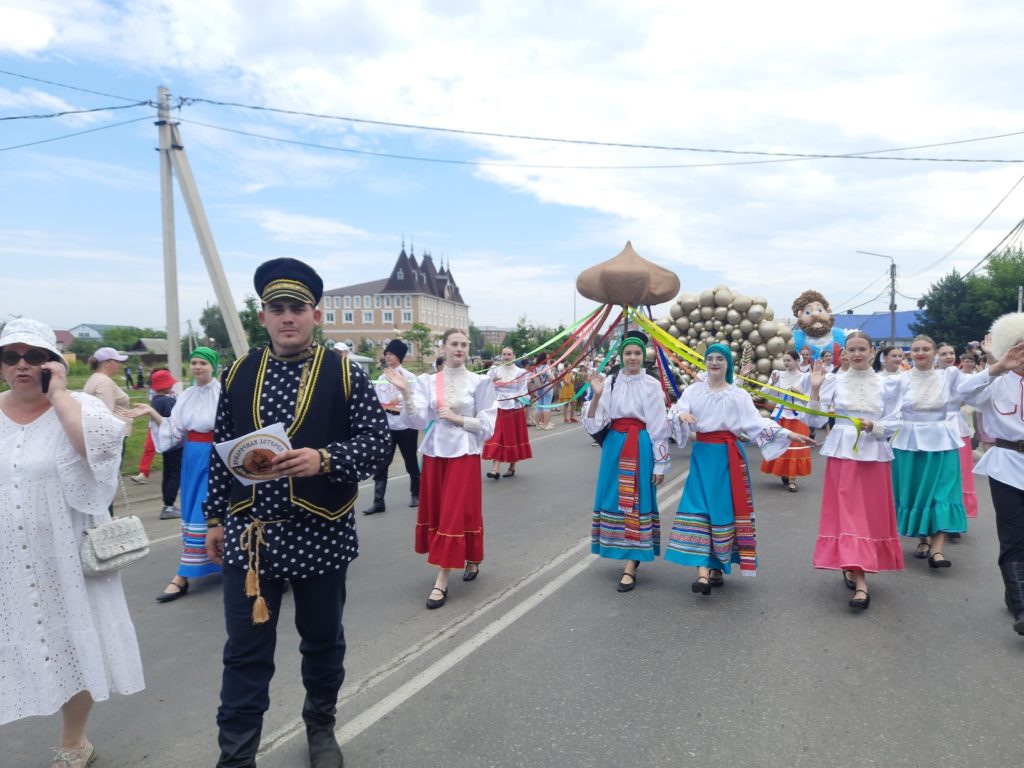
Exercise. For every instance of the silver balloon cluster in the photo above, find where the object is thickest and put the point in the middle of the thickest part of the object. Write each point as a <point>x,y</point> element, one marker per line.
<point>745,323</point>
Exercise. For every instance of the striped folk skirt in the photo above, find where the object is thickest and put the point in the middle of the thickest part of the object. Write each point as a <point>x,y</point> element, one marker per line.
<point>195,474</point>
<point>704,529</point>
<point>608,524</point>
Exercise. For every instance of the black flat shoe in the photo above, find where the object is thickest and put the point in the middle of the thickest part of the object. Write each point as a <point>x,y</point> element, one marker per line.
<point>432,603</point>
<point>923,550</point>
<point>702,586</point>
<point>168,597</point>
<point>414,501</point>
<point>511,473</point>
<point>493,475</point>
<point>469,575</point>
<point>860,603</point>
<point>850,583</point>
<point>716,581</point>
<point>374,508</point>
<point>943,563</point>
<point>627,586</point>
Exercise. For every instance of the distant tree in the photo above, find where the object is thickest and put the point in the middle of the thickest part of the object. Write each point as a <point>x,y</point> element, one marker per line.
<point>250,317</point>
<point>83,348</point>
<point>366,347</point>
<point>212,322</point>
<point>996,293</point>
<point>476,340</point>
<point>124,337</point>
<point>421,337</point>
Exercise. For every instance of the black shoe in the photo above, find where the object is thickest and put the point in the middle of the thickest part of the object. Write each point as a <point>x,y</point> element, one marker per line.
<point>923,550</point>
<point>238,750</point>
<point>702,586</point>
<point>414,501</point>
<point>324,751</point>
<point>432,603</point>
<point>373,509</point>
<point>716,581</point>
<point>170,513</point>
<point>860,603</point>
<point>469,575</point>
<point>627,586</point>
<point>167,597</point>
<point>953,536</point>
<point>494,475</point>
<point>943,563</point>
<point>1013,582</point>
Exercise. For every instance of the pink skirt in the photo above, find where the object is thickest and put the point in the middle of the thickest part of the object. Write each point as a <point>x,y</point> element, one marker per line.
<point>967,478</point>
<point>857,527</point>
<point>510,441</point>
<point>450,521</point>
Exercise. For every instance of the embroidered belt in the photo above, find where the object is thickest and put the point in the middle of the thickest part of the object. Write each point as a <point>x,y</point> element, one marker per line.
<point>1010,445</point>
<point>200,437</point>
<point>629,468</point>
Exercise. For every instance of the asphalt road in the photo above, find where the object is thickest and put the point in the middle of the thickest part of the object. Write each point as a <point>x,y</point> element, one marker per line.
<point>540,662</point>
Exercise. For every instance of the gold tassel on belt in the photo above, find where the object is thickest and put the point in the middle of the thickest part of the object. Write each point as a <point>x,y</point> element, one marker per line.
<point>250,540</point>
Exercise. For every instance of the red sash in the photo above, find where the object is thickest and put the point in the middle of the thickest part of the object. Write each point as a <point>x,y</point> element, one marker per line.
<point>742,501</point>
<point>200,437</point>
<point>629,467</point>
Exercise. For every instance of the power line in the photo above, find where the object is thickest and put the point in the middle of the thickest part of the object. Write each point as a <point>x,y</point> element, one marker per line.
<point>862,290</point>
<point>78,111</point>
<point>869,301</point>
<point>76,133</point>
<point>185,100</point>
<point>65,85</point>
<point>1012,233</point>
<point>967,237</point>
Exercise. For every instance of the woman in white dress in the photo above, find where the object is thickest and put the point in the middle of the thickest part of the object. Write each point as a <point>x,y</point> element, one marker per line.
<point>65,640</point>
<point>461,405</point>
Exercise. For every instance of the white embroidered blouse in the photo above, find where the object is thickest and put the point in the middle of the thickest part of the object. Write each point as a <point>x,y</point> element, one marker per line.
<point>470,395</point>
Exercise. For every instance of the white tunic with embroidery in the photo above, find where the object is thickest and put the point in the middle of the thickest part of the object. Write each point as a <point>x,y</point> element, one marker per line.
<point>391,399</point>
<point>1000,399</point>
<point>634,397</point>
<point>864,395</point>
<point>194,411</point>
<point>468,394</point>
<point>60,632</point>
<point>513,385</point>
<point>928,424</point>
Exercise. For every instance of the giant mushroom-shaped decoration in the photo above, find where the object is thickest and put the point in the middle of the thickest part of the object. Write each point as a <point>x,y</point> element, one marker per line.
<point>627,280</point>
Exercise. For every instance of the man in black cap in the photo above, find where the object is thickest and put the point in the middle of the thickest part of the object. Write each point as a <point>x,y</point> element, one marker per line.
<point>402,435</point>
<point>297,528</point>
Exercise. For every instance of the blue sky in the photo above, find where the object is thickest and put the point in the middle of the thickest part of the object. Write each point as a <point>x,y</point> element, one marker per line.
<point>80,218</point>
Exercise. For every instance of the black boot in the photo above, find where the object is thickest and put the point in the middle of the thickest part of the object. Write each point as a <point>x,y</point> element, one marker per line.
<point>238,750</point>
<point>1013,580</point>
<point>379,489</point>
<point>324,751</point>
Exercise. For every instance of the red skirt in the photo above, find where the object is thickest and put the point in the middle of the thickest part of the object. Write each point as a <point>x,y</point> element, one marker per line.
<point>857,527</point>
<point>967,478</point>
<point>796,461</point>
<point>450,521</point>
<point>511,440</point>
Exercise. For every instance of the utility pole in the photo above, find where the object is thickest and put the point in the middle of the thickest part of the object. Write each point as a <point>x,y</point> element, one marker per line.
<point>167,226</point>
<point>172,151</point>
<point>892,293</point>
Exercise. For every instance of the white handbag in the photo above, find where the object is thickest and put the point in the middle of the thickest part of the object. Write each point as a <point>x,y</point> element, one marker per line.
<point>113,545</point>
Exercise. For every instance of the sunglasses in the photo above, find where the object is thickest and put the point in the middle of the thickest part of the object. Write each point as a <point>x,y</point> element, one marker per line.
<point>32,357</point>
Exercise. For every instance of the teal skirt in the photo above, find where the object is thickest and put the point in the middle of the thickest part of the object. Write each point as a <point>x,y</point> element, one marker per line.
<point>928,492</point>
<point>608,524</point>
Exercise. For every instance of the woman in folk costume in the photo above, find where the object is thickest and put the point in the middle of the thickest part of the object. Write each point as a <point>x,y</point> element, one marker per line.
<point>714,527</point>
<point>634,460</point>
<point>857,526</point>
<point>998,393</point>
<point>796,461</point>
<point>889,361</point>
<point>510,442</point>
<point>190,424</point>
<point>946,358</point>
<point>926,463</point>
<point>461,405</point>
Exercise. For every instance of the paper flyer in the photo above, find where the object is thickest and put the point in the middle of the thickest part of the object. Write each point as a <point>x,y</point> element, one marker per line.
<point>248,457</point>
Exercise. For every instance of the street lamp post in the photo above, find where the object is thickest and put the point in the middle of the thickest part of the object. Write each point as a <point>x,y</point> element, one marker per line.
<point>892,293</point>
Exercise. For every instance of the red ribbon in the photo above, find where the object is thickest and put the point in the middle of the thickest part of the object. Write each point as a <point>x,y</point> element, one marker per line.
<point>629,468</point>
<point>742,501</point>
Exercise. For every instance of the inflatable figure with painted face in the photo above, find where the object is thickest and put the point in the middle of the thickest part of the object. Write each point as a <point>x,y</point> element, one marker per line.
<point>814,326</point>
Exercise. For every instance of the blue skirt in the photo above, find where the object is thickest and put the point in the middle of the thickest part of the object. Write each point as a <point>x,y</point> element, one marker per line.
<point>195,473</point>
<point>928,492</point>
<point>608,530</point>
<point>704,529</point>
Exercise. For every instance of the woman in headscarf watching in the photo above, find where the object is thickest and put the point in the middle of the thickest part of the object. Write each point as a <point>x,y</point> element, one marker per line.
<point>634,459</point>
<point>190,425</point>
<point>714,524</point>
<point>461,405</point>
<point>67,639</point>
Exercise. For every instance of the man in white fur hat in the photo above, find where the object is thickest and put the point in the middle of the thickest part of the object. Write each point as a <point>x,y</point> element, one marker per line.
<point>998,392</point>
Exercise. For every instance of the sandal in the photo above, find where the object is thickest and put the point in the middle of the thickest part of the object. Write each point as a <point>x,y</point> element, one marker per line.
<point>432,603</point>
<point>860,603</point>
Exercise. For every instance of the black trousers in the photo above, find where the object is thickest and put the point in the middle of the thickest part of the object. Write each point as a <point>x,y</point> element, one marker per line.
<point>405,441</point>
<point>171,477</point>
<point>1009,504</point>
<point>249,650</point>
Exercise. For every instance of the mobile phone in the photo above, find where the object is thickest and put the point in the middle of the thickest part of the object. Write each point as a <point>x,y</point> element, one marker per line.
<point>44,379</point>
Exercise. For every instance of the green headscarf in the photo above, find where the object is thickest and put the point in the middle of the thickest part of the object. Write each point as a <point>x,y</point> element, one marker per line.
<point>634,337</point>
<point>207,354</point>
<point>727,354</point>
